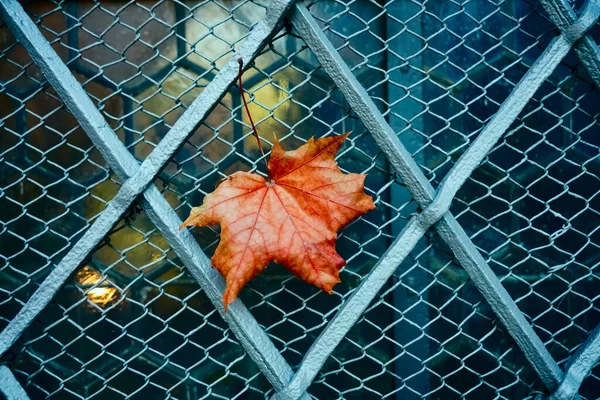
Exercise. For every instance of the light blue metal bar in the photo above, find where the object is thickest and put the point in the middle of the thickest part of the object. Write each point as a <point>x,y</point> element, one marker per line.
<point>244,326</point>
<point>579,367</point>
<point>509,110</point>
<point>9,386</point>
<point>352,309</point>
<point>563,16</point>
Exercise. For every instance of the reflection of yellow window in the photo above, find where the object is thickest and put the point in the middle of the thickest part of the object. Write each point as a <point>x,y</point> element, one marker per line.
<point>272,108</point>
<point>132,250</point>
<point>101,292</point>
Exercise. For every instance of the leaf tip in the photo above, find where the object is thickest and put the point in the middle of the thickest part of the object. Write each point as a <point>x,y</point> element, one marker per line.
<point>227,300</point>
<point>371,206</point>
<point>330,289</point>
<point>186,223</point>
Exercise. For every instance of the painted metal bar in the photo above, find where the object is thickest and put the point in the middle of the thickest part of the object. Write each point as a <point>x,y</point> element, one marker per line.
<point>484,278</point>
<point>9,386</point>
<point>352,309</point>
<point>579,367</point>
<point>242,323</point>
<point>562,15</point>
<point>509,110</point>
<point>501,121</point>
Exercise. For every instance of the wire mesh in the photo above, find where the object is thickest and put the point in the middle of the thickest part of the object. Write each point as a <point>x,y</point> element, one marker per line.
<point>132,323</point>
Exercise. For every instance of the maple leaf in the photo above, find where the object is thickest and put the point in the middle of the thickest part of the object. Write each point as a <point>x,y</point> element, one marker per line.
<point>291,218</point>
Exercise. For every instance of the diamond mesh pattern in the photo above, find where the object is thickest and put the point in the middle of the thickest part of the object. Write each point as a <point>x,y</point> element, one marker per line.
<point>133,323</point>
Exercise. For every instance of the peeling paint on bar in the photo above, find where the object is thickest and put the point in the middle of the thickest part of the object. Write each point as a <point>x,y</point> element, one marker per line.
<point>579,367</point>
<point>9,386</point>
<point>563,16</point>
<point>450,230</point>
<point>242,323</point>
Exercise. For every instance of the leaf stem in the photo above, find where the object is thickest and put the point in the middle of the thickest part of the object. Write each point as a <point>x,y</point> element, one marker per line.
<point>241,64</point>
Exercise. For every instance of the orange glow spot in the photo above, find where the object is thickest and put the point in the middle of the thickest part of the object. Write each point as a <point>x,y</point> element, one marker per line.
<point>98,295</point>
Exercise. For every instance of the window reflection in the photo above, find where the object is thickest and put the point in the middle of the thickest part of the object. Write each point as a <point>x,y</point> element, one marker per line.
<point>98,291</point>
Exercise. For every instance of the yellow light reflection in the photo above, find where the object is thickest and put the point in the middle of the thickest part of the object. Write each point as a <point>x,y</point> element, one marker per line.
<point>98,295</point>
<point>272,102</point>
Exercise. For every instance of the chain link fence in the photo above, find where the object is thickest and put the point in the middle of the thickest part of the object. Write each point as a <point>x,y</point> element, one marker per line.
<point>132,322</point>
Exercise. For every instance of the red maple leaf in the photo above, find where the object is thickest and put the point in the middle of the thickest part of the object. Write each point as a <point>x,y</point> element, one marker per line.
<point>292,217</point>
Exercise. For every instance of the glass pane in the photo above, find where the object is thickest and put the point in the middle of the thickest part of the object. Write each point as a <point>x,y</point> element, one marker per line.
<point>132,323</point>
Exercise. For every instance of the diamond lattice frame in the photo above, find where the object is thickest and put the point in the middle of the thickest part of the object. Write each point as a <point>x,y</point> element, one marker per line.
<point>137,179</point>
<point>435,205</point>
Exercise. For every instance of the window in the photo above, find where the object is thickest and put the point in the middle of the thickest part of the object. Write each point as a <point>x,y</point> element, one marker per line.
<point>133,322</point>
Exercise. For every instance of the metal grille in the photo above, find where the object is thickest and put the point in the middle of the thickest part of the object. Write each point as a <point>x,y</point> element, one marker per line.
<point>117,117</point>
